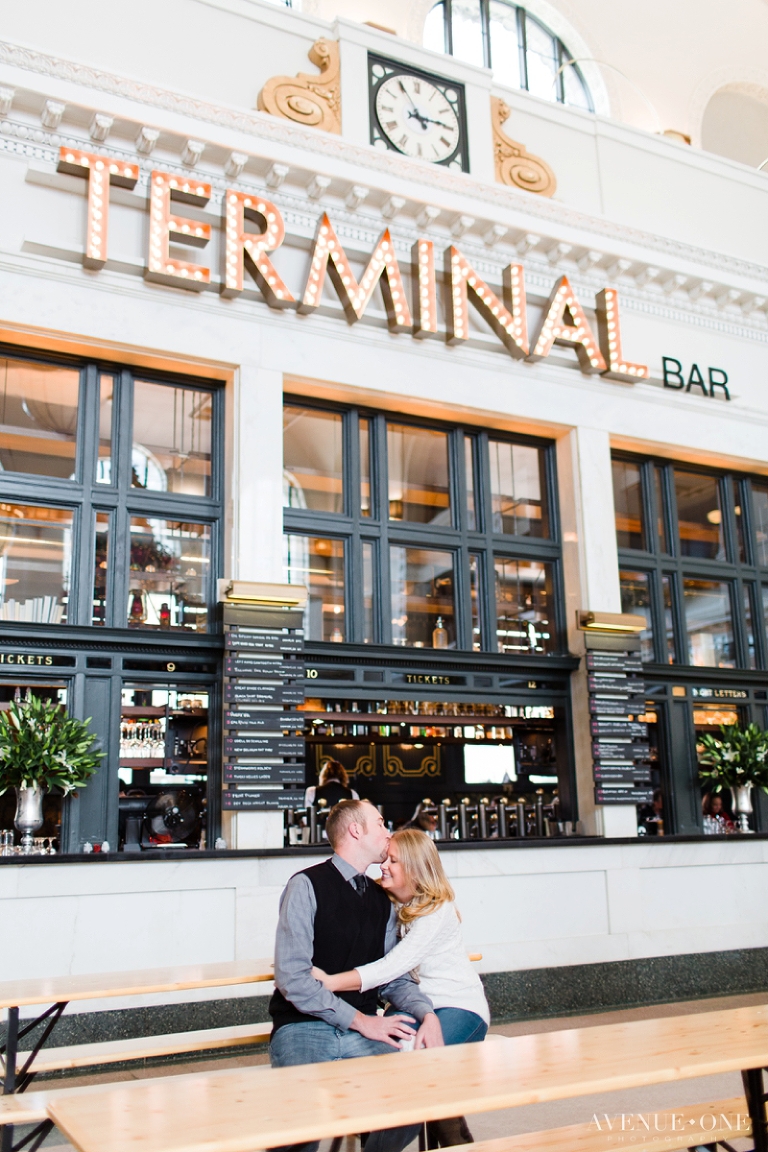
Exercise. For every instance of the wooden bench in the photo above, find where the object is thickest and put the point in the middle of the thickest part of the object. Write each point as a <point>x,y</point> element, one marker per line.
<point>146,1047</point>
<point>246,1108</point>
<point>21,1066</point>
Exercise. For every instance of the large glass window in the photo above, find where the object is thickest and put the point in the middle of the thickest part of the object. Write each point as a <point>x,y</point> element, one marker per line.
<point>414,557</point>
<point>708,624</point>
<point>101,459</point>
<point>171,439</point>
<point>628,504</point>
<point>699,515</point>
<point>38,418</point>
<point>417,461</point>
<point>422,584</point>
<point>169,576</point>
<point>522,52</point>
<point>35,563</point>
<point>524,598</point>
<point>312,460</point>
<point>318,563</point>
<point>636,599</point>
<point>517,492</point>
<point>694,567</point>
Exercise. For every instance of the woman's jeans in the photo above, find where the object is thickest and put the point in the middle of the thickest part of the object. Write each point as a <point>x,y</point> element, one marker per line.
<point>460,1026</point>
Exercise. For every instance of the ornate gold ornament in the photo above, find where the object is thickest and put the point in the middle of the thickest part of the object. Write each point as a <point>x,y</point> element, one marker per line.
<point>513,163</point>
<point>311,100</point>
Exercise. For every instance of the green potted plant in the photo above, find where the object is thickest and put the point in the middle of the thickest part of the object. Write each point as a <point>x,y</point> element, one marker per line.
<point>736,759</point>
<point>41,748</point>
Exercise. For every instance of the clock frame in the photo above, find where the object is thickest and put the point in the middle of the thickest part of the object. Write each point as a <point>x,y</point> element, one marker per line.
<point>380,70</point>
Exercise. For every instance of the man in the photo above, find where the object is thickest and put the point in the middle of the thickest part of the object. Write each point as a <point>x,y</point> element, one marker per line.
<point>332,916</point>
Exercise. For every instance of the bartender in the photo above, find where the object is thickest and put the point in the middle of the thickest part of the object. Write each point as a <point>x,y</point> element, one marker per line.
<point>332,786</point>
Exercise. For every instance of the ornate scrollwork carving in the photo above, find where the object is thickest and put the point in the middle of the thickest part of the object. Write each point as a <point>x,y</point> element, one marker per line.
<point>514,164</point>
<point>311,100</point>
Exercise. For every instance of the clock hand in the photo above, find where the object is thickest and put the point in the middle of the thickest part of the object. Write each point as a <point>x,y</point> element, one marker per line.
<point>407,95</point>
<point>440,123</point>
<point>416,115</point>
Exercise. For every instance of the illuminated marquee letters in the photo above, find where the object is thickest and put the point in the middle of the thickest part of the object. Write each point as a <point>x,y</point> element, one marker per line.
<point>555,328</point>
<point>508,321</point>
<point>165,226</point>
<point>564,320</point>
<point>241,247</point>
<point>100,172</point>
<point>328,255</point>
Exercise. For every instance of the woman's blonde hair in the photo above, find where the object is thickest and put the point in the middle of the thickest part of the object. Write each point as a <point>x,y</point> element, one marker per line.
<point>424,872</point>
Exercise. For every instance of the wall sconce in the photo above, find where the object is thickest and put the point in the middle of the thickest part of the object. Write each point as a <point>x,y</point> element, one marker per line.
<point>614,622</point>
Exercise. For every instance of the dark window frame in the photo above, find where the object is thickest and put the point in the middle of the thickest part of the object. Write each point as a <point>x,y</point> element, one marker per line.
<point>738,574</point>
<point>459,539</point>
<point>117,499</point>
<point>522,16</point>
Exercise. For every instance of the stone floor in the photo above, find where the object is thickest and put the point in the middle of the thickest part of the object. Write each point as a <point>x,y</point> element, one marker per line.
<point>488,1125</point>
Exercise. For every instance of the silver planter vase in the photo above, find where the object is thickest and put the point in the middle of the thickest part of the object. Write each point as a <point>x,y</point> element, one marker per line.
<point>29,813</point>
<point>742,805</point>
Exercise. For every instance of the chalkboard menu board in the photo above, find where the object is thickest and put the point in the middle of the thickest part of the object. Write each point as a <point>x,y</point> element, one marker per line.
<point>620,749</point>
<point>264,746</point>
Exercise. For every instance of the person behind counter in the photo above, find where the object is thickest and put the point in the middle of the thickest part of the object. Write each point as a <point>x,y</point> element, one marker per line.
<point>425,819</point>
<point>332,786</point>
<point>430,941</point>
<point>712,806</point>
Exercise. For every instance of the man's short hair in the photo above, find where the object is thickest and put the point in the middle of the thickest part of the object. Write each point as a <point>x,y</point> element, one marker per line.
<point>343,814</point>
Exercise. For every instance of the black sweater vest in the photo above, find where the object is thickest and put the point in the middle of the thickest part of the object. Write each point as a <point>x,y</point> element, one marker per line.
<point>350,930</point>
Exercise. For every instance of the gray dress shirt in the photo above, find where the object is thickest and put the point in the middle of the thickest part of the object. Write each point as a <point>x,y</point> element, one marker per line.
<point>294,945</point>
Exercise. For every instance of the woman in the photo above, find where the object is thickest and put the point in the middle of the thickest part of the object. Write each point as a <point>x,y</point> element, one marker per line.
<point>332,786</point>
<point>430,941</point>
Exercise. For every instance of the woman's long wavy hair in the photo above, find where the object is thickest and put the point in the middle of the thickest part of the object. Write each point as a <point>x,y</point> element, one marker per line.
<point>424,871</point>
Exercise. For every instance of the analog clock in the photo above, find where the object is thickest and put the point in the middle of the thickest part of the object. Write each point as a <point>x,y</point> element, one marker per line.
<point>420,115</point>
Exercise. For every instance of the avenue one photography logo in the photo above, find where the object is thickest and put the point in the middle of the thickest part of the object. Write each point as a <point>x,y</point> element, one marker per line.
<point>659,1128</point>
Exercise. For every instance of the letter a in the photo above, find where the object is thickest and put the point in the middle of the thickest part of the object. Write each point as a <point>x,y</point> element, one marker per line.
<point>577,334</point>
<point>328,255</point>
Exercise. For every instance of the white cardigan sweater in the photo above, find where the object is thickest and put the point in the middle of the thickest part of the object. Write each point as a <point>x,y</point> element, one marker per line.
<point>434,945</point>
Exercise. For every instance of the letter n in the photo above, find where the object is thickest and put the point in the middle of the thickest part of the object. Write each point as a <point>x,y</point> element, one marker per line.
<point>329,256</point>
<point>508,320</point>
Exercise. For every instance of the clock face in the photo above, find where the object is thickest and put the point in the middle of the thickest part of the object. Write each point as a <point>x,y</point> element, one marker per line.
<point>417,114</point>
<point>417,119</point>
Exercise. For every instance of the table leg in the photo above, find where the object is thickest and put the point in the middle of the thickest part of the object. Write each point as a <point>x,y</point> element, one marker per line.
<point>11,1048</point>
<point>754,1090</point>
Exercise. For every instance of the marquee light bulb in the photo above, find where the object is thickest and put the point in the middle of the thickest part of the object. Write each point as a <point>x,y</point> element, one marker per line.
<point>578,334</point>
<point>508,320</point>
<point>165,226</point>
<point>99,171</point>
<point>609,330</point>
<point>328,255</point>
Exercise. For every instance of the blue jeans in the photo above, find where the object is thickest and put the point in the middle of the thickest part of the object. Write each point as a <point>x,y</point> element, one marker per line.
<point>460,1026</point>
<point>313,1042</point>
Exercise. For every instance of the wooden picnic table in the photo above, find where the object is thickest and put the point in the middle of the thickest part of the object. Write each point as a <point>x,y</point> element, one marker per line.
<point>252,1108</point>
<point>58,991</point>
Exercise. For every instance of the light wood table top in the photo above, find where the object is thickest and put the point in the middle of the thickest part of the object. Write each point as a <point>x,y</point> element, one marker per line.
<point>96,986</point>
<point>246,1109</point>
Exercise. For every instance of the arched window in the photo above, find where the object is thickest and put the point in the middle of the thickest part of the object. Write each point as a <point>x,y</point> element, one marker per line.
<point>503,36</point>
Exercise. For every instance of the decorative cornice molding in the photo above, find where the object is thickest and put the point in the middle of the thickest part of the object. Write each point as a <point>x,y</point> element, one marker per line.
<point>513,163</point>
<point>270,129</point>
<point>312,100</point>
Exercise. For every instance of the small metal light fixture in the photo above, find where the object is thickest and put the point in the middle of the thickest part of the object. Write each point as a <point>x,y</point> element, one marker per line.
<point>615,622</point>
<point>267,595</point>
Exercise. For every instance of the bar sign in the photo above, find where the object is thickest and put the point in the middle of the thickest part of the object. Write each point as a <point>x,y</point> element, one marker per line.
<point>264,773</point>
<point>260,799</point>
<point>266,721</point>
<point>264,642</point>
<point>263,746</point>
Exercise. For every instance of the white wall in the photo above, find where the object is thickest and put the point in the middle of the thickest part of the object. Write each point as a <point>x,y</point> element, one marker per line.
<point>522,908</point>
